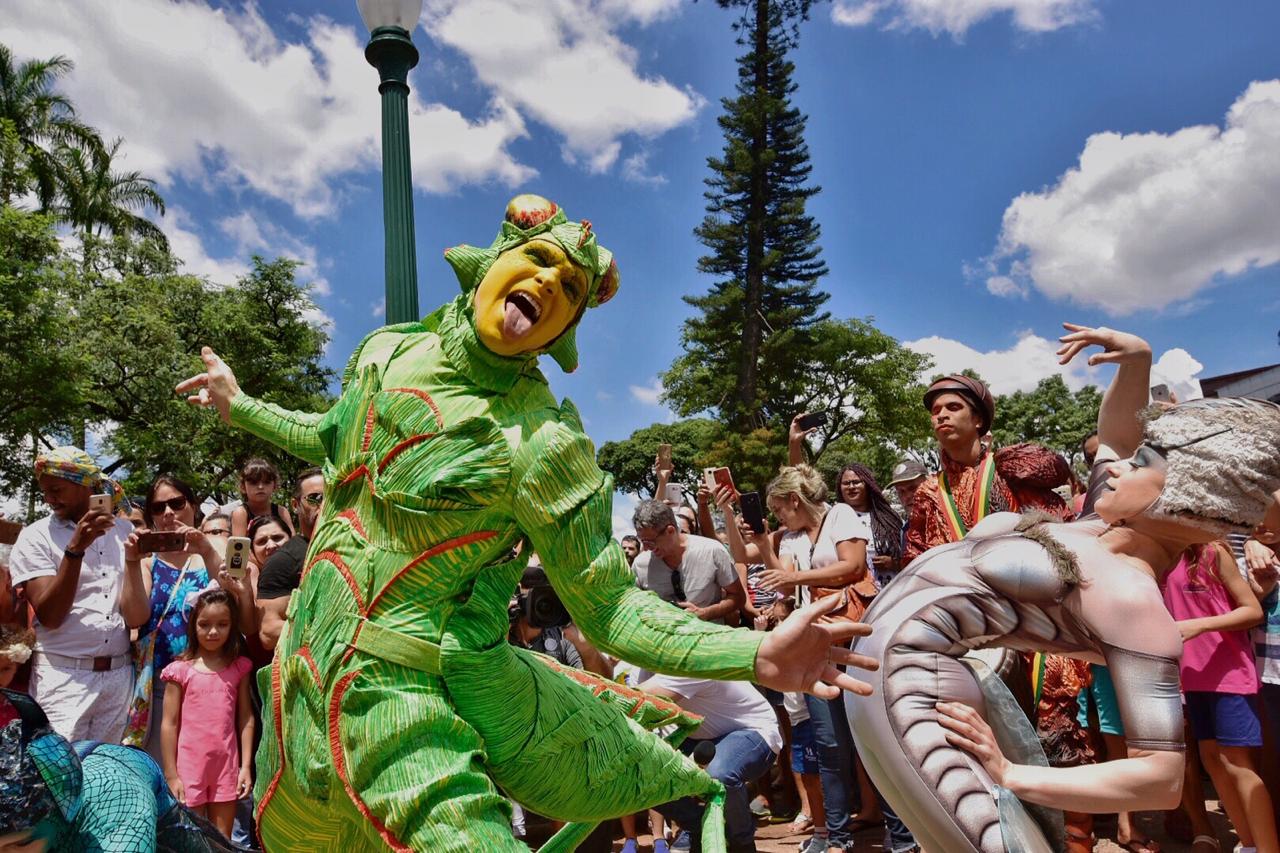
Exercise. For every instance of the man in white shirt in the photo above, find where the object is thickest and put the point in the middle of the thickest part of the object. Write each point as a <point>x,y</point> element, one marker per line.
<point>72,567</point>
<point>690,571</point>
<point>743,727</point>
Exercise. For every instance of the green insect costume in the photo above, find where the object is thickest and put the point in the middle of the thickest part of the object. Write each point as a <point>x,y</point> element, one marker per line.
<point>394,703</point>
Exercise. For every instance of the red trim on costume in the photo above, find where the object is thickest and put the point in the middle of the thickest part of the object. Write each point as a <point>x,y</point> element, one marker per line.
<point>434,551</point>
<point>368,429</point>
<point>401,447</point>
<point>279,727</point>
<point>304,652</point>
<point>340,764</point>
<point>418,392</point>
<point>353,518</point>
<point>334,559</point>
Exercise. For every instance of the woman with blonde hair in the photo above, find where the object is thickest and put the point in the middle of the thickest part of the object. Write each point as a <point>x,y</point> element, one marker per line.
<point>818,545</point>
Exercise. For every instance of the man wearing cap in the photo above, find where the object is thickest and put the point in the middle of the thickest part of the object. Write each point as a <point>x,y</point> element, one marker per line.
<point>72,566</point>
<point>976,480</point>
<point>907,478</point>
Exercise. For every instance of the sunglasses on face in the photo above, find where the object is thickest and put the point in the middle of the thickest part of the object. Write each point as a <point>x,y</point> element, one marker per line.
<point>218,531</point>
<point>177,504</point>
<point>314,499</point>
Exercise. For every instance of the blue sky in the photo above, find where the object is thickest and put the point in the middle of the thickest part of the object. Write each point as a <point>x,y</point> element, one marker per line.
<point>988,167</point>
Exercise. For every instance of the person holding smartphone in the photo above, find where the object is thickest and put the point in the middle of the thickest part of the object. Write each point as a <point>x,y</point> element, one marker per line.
<point>174,573</point>
<point>71,567</point>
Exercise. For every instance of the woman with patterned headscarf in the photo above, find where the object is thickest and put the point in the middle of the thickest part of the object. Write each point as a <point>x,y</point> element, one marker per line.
<point>395,708</point>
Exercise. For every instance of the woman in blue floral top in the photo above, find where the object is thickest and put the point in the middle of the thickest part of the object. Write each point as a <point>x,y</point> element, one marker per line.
<point>174,579</point>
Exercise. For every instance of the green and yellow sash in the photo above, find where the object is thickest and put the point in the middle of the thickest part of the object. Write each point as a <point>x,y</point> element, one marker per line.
<point>981,497</point>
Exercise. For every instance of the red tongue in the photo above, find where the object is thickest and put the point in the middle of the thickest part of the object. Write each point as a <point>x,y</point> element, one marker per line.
<point>514,321</point>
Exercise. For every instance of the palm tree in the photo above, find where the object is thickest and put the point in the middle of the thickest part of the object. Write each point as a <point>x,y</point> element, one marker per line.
<point>93,199</point>
<point>34,121</point>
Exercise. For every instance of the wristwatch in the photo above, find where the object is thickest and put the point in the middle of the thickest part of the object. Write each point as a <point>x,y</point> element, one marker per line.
<point>75,555</point>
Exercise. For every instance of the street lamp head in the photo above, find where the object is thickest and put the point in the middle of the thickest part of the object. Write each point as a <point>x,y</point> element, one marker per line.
<point>390,13</point>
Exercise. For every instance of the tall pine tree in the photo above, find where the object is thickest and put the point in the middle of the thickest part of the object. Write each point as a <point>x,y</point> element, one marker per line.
<point>741,353</point>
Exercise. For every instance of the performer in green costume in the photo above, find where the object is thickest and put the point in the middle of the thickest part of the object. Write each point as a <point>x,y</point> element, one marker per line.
<point>394,702</point>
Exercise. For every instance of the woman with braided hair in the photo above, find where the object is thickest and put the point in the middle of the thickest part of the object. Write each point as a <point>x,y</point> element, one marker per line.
<point>857,487</point>
<point>942,739</point>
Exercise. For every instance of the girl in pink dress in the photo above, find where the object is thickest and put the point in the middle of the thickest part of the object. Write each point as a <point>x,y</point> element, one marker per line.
<point>206,711</point>
<point>1214,608</point>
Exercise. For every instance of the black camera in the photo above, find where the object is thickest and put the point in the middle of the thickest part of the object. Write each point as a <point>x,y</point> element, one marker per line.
<point>537,602</point>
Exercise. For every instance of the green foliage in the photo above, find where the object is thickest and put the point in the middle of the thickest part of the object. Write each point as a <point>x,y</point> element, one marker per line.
<point>868,384</point>
<point>740,350</point>
<point>631,460</point>
<point>95,199</point>
<point>37,359</point>
<point>141,335</point>
<point>35,121</point>
<point>753,457</point>
<point>1050,415</point>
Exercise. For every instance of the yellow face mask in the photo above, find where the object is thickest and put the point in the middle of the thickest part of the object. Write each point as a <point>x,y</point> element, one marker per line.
<point>528,298</point>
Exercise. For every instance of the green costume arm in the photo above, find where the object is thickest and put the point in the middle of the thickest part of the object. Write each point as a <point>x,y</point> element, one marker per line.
<point>295,432</point>
<point>564,504</point>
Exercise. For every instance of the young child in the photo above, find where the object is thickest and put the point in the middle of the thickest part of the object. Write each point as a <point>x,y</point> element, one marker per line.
<point>259,480</point>
<point>1214,608</point>
<point>16,644</point>
<point>206,707</point>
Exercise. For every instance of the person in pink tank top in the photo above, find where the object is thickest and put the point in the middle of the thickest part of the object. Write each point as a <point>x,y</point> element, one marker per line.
<point>1214,609</point>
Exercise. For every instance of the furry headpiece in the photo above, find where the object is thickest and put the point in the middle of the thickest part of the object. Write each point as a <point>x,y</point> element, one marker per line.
<point>1223,460</point>
<point>530,216</point>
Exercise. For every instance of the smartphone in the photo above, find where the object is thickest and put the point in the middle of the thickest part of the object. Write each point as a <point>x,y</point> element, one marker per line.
<point>752,510</point>
<point>675,493</point>
<point>100,503</point>
<point>160,541</point>
<point>9,531</point>
<point>664,456</point>
<point>716,477</point>
<point>812,419</point>
<point>238,556</point>
<point>1160,394</point>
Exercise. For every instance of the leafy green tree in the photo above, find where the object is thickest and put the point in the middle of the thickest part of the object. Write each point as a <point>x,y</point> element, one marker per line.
<point>1050,415</point>
<point>34,121</point>
<point>95,199</point>
<point>38,362</point>
<point>740,351</point>
<point>631,460</point>
<point>141,333</point>
<point>753,457</point>
<point>867,382</point>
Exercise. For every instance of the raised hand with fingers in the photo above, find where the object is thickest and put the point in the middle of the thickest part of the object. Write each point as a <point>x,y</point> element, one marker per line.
<point>216,387</point>
<point>1117,347</point>
<point>802,653</point>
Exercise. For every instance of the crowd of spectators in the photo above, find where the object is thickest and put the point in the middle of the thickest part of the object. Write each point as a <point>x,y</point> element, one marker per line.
<point>157,646</point>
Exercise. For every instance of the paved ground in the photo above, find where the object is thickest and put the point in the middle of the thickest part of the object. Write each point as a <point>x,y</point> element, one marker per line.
<point>776,839</point>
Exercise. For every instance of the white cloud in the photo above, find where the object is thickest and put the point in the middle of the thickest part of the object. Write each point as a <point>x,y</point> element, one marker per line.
<point>636,168</point>
<point>216,97</point>
<point>1178,369</point>
<point>561,63</point>
<point>220,272</point>
<point>254,234</point>
<point>1018,368</point>
<point>648,394</point>
<point>624,507</point>
<point>379,308</point>
<point>186,244</point>
<point>955,17</point>
<point>1145,220</point>
<point>1002,285</point>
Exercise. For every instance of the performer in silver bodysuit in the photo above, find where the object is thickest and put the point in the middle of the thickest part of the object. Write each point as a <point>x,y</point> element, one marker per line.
<point>1086,590</point>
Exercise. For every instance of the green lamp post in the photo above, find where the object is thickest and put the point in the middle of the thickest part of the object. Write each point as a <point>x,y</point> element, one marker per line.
<point>391,51</point>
